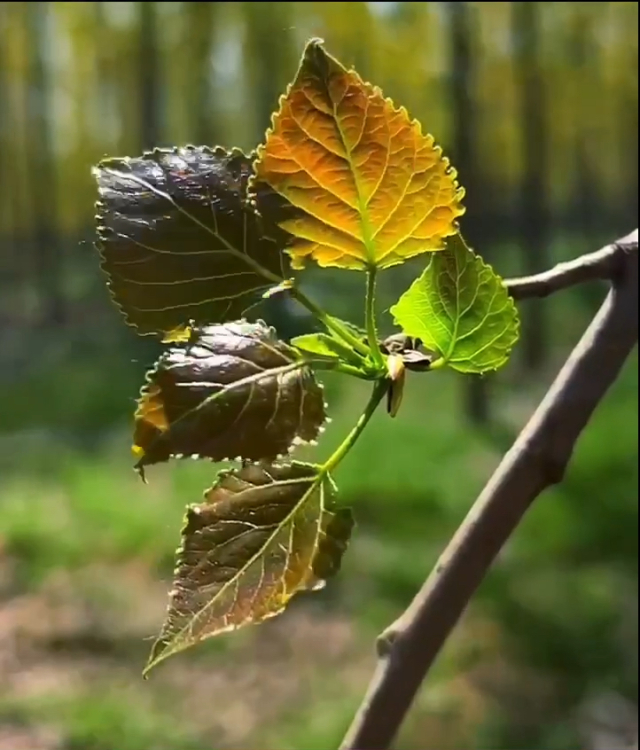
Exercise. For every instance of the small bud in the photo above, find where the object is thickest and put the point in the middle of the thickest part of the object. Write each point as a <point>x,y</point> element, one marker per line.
<point>396,371</point>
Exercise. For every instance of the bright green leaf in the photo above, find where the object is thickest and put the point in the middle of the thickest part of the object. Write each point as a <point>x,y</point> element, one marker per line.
<point>318,344</point>
<point>323,345</point>
<point>351,327</point>
<point>262,534</point>
<point>460,309</point>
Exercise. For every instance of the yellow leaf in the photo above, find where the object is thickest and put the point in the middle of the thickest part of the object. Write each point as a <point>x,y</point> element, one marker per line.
<point>178,335</point>
<point>369,188</point>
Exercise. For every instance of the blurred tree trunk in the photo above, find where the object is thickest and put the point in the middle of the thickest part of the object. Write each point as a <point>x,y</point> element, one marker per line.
<point>584,58</point>
<point>270,63</point>
<point>16,203</point>
<point>629,119</point>
<point>464,129</point>
<point>269,58</point>
<point>9,257</point>
<point>200,24</point>
<point>534,213</point>
<point>49,267</point>
<point>629,114</point>
<point>149,72</point>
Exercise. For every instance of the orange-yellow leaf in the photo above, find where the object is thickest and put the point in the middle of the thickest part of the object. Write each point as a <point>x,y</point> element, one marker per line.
<point>369,188</point>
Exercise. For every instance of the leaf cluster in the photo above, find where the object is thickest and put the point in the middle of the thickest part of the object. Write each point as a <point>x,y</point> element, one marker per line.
<point>192,238</point>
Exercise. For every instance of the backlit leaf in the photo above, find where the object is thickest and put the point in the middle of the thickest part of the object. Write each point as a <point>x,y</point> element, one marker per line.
<point>460,308</point>
<point>351,328</point>
<point>178,335</point>
<point>232,391</point>
<point>326,346</point>
<point>281,288</point>
<point>179,240</point>
<point>263,533</point>
<point>317,343</point>
<point>368,186</point>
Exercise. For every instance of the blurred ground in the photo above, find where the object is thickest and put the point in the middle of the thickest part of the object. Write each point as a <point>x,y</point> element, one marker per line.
<point>85,569</point>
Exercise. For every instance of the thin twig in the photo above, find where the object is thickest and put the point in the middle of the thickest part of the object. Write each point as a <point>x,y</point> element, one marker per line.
<point>537,460</point>
<point>599,265</point>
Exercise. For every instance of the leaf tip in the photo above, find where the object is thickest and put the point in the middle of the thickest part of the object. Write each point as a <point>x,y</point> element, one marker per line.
<point>313,49</point>
<point>317,61</point>
<point>315,41</point>
<point>158,654</point>
<point>139,469</point>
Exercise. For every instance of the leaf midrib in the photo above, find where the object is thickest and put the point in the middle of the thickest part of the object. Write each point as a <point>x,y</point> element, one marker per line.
<point>318,483</point>
<point>368,239</point>
<point>244,256</point>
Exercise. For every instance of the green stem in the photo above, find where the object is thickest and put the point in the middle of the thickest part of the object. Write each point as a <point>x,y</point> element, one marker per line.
<point>331,323</point>
<point>335,365</point>
<point>370,317</point>
<point>379,391</point>
<point>438,364</point>
<point>296,293</point>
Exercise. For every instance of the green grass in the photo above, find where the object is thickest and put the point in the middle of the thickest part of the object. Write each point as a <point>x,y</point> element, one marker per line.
<point>65,507</point>
<point>410,481</point>
<point>103,719</point>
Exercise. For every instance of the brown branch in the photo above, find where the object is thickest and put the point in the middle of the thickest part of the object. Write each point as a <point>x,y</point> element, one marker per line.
<point>602,265</point>
<point>537,460</point>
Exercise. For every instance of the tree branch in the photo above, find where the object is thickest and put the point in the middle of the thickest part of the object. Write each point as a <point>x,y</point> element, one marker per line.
<point>537,460</point>
<point>603,265</point>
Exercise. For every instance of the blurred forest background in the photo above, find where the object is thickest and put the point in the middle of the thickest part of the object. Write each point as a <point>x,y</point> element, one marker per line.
<point>537,105</point>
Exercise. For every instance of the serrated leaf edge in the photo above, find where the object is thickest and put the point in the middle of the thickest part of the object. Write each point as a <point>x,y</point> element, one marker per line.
<point>248,201</point>
<point>449,169</point>
<point>510,304</point>
<point>297,441</point>
<point>321,478</point>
